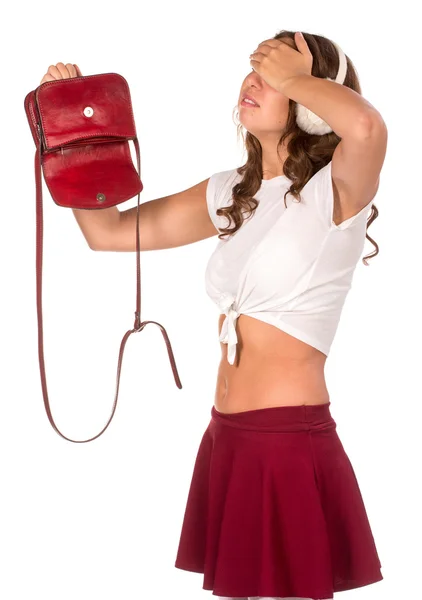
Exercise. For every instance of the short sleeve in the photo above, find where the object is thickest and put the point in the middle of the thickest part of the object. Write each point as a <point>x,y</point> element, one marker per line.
<point>219,194</point>
<point>320,187</point>
<point>211,199</point>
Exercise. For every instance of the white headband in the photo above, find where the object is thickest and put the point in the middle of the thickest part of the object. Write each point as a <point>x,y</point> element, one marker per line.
<point>342,69</point>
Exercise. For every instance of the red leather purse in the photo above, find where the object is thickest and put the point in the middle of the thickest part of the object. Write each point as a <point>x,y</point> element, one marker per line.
<point>81,127</point>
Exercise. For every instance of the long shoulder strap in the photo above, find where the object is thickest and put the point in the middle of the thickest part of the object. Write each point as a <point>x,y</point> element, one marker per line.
<point>138,325</point>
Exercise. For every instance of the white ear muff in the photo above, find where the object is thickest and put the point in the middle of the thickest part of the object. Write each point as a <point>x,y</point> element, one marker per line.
<point>309,121</point>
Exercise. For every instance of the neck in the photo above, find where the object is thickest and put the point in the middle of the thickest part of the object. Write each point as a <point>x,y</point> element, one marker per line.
<point>272,157</point>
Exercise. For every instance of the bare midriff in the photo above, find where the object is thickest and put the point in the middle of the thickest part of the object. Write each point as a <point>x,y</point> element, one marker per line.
<point>271,368</point>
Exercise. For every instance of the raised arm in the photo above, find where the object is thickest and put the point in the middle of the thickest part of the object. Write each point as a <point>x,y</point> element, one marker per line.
<point>167,222</point>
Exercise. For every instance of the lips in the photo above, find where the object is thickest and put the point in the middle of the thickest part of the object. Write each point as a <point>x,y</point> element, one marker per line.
<point>249,97</point>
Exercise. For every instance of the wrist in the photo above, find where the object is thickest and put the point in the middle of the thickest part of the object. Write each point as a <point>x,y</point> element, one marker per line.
<point>288,84</point>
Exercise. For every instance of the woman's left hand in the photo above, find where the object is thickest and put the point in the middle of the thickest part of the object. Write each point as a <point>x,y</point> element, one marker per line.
<point>276,62</point>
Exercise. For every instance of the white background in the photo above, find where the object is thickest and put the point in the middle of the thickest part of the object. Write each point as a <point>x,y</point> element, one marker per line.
<point>101,520</point>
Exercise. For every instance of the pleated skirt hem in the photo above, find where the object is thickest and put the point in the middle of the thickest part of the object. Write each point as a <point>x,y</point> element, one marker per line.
<point>274,508</point>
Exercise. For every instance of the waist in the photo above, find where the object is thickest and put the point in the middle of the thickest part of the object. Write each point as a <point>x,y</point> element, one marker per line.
<point>279,419</point>
<point>262,381</point>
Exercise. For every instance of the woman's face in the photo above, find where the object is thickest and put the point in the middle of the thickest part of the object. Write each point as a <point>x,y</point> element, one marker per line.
<point>271,115</point>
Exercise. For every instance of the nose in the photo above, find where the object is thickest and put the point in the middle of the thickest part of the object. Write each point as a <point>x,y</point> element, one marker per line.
<point>254,78</point>
<point>253,82</point>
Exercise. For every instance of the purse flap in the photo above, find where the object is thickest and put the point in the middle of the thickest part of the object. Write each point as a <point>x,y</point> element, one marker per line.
<point>85,107</point>
<point>91,175</point>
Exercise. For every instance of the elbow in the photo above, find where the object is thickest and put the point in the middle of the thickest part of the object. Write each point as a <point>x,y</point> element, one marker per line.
<point>92,246</point>
<point>100,248</point>
<point>370,125</point>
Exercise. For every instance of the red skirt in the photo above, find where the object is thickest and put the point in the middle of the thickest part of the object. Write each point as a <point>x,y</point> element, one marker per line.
<point>274,508</point>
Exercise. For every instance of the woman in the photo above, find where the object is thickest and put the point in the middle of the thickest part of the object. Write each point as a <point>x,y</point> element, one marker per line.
<point>274,507</point>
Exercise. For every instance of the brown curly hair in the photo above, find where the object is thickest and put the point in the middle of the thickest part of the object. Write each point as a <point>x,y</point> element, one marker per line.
<point>307,153</point>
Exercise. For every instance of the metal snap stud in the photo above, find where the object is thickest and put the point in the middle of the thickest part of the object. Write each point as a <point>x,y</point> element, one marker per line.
<point>101,197</point>
<point>88,111</point>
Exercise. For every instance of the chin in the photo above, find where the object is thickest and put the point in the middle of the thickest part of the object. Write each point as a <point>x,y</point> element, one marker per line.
<point>250,125</point>
<point>247,122</point>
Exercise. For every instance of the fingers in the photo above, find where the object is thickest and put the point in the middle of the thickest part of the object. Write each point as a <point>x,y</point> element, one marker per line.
<point>47,77</point>
<point>71,70</point>
<point>54,72</point>
<point>61,71</point>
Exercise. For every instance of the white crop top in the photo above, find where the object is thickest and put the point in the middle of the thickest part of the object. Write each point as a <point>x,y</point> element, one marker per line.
<point>290,267</point>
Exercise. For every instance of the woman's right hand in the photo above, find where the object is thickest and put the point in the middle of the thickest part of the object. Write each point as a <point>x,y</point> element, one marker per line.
<point>61,71</point>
